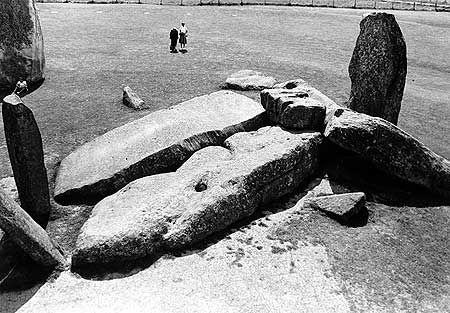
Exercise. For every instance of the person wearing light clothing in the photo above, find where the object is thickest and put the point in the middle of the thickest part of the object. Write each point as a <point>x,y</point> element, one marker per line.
<point>183,36</point>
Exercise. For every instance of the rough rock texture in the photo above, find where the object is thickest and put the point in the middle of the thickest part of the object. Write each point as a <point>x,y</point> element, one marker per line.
<point>347,208</point>
<point>378,68</point>
<point>173,210</point>
<point>293,109</point>
<point>132,100</point>
<point>299,86</point>
<point>390,149</point>
<point>24,142</point>
<point>249,80</point>
<point>27,234</point>
<point>21,44</point>
<point>157,143</point>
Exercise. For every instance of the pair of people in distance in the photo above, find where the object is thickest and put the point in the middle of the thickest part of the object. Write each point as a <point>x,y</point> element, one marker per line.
<point>178,35</point>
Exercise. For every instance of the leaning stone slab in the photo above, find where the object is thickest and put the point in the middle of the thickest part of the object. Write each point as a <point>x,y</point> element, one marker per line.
<point>159,142</point>
<point>390,149</point>
<point>132,100</point>
<point>347,208</point>
<point>27,234</point>
<point>293,109</point>
<point>299,86</point>
<point>21,44</point>
<point>378,68</point>
<point>26,154</point>
<point>174,210</point>
<point>249,80</point>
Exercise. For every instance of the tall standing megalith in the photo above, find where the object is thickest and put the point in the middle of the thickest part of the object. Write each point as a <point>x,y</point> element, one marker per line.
<point>21,44</point>
<point>378,68</point>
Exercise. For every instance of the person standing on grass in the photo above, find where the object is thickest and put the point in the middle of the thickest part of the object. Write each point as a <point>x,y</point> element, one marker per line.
<point>173,40</point>
<point>183,35</point>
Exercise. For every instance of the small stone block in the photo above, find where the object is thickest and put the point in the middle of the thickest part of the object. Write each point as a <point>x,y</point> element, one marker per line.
<point>348,208</point>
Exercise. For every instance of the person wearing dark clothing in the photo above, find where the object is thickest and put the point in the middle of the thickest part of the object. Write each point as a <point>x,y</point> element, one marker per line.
<point>173,40</point>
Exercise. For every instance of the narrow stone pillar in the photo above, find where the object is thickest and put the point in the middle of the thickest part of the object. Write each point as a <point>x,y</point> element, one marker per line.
<point>27,234</point>
<point>27,158</point>
<point>378,68</point>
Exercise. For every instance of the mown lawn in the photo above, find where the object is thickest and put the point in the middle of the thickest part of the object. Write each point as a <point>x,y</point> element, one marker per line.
<point>92,50</point>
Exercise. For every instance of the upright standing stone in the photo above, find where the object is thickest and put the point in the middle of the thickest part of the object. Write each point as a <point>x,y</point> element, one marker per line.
<point>378,68</point>
<point>27,158</point>
<point>21,44</point>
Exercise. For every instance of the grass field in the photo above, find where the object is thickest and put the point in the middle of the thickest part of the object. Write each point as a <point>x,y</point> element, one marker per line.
<point>92,50</point>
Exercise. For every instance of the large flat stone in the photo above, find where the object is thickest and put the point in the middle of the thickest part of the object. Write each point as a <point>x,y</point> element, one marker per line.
<point>249,80</point>
<point>174,210</point>
<point>159,142</point>
<point>390,149</point>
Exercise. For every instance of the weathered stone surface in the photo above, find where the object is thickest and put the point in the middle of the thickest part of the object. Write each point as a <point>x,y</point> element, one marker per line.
<point>299,86</point>
<point>24,142</point>
<point>173,210</point>
<point>132,100</point>
<point>390,149</point>
<point>378,68</point>
<point>347,208</point>
<point>21,44</point>
<point>157,143</point>
<point>249,80</point>
<point>293,109</point>
<point>27,234</point>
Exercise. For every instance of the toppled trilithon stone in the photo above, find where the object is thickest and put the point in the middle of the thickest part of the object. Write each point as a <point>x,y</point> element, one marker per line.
<point>26,154</point>
<point>174,210</point>
<point>249,80</point>
<point>293,109</point>
<point>390,149</point>
<point>378,68</point>
<point>132,100</point>
<point>157,143</point>
<point>347,208</point>
<point>21,44</point>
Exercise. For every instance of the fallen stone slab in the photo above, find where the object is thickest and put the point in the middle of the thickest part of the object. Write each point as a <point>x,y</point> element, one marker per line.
<point>348,208</point>
<point>132,100</point>
<point>249,80</point>
<point>21,44</point>
<point>174,210</point>
<point>293,109</point>
<point>390,149</point>
<point>299,86</point>
<point>378,68</point>
<point>159,142</point>
<point>27,234</point>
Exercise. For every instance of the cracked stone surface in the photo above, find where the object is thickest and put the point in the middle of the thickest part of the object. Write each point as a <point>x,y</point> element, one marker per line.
<point>175,210</point>
<point>157,143</point>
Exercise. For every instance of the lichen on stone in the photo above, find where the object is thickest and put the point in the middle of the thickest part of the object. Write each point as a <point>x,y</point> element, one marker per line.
<point>15,24</point>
